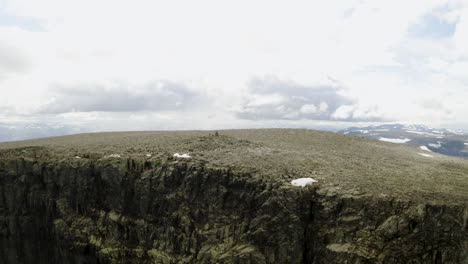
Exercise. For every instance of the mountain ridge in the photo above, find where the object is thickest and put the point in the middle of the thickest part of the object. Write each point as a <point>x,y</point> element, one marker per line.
<point>440,140</point>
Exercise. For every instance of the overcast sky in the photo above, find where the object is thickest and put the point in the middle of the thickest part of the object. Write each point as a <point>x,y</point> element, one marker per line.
<point>152,65</point>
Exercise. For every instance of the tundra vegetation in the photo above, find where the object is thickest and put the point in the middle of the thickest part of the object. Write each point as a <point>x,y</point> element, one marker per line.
<point>230,197</point>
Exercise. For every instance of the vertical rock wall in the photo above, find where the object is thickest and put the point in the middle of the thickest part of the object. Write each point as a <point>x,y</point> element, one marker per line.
<point>136,211</point>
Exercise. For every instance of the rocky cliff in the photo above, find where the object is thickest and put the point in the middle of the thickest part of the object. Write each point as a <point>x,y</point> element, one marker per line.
<point>132,209</point>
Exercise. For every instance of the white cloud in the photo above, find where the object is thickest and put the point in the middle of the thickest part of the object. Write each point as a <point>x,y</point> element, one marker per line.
<point>289,100</point>
<point>323,107</point>
<point>460,37</point>
<point>308,109</point>
<point>214,48</point>
<point>121,97</point>
<point>343,112</point>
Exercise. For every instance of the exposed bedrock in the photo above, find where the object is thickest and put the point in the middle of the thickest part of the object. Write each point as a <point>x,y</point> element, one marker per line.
<point>135,211</point>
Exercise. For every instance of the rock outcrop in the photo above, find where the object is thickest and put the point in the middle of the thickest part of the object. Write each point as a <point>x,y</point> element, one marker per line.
<point>165,210</point>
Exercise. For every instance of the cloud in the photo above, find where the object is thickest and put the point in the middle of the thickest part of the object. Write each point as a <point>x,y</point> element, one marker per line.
<point>379,59</point>
<point>431,103</point>
<point>4,110</point>
<point>432,25</point>
<point>460,37</point>
<point>271,98</point>
<point>121,97</point>
<point>12,60</point>
<point>26,23</point>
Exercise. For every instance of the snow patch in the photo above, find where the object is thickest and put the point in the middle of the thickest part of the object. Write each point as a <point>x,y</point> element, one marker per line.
<point>424,148</point>
<point>77,157</point>
<point>422,133</point>
<point>360,131</point>
<point>148,155</point>
<point>184,156</point>
<point>456,132</point>
<point>438,145</point>
<point>302,182</point>
<point>114,156</point>
<point>395,140</point>
<point>426,155</point>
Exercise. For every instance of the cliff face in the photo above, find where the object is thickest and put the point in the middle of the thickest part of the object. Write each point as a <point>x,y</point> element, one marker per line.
<point>118,210</point>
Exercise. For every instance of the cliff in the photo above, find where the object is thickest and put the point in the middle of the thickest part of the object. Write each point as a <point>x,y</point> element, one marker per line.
<point>124,198</point>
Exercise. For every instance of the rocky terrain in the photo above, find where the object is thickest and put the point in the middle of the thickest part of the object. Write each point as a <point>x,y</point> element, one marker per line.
<point>125,198</point>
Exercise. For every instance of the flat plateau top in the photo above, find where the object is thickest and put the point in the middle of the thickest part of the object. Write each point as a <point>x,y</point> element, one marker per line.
<point>366,166</point>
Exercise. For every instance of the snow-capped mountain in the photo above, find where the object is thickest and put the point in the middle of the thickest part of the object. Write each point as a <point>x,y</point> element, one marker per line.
<point>445,141</point>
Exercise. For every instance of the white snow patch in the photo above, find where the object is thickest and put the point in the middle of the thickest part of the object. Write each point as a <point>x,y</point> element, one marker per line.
<point>426,155</point>
<point>184,156</point>
<point>456,132</point>
<point>302,182</point>
<point>77,157</point>
<point>395,140</point>
<point>148,155</point>
<point>360,131</point>
<point>424,148</point>
<point>422,133</point>
<point>114,156</point>
<point>438,145</point>
<point>416,132</point>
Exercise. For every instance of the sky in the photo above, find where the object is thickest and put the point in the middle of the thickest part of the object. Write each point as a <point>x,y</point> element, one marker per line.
<point>81,66</point>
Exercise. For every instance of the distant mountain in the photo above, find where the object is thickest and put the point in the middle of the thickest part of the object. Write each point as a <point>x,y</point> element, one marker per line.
<point>19,131</point>
<point>445,141</point>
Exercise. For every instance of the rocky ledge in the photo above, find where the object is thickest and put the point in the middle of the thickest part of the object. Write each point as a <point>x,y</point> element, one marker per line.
<point>117,210</point>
